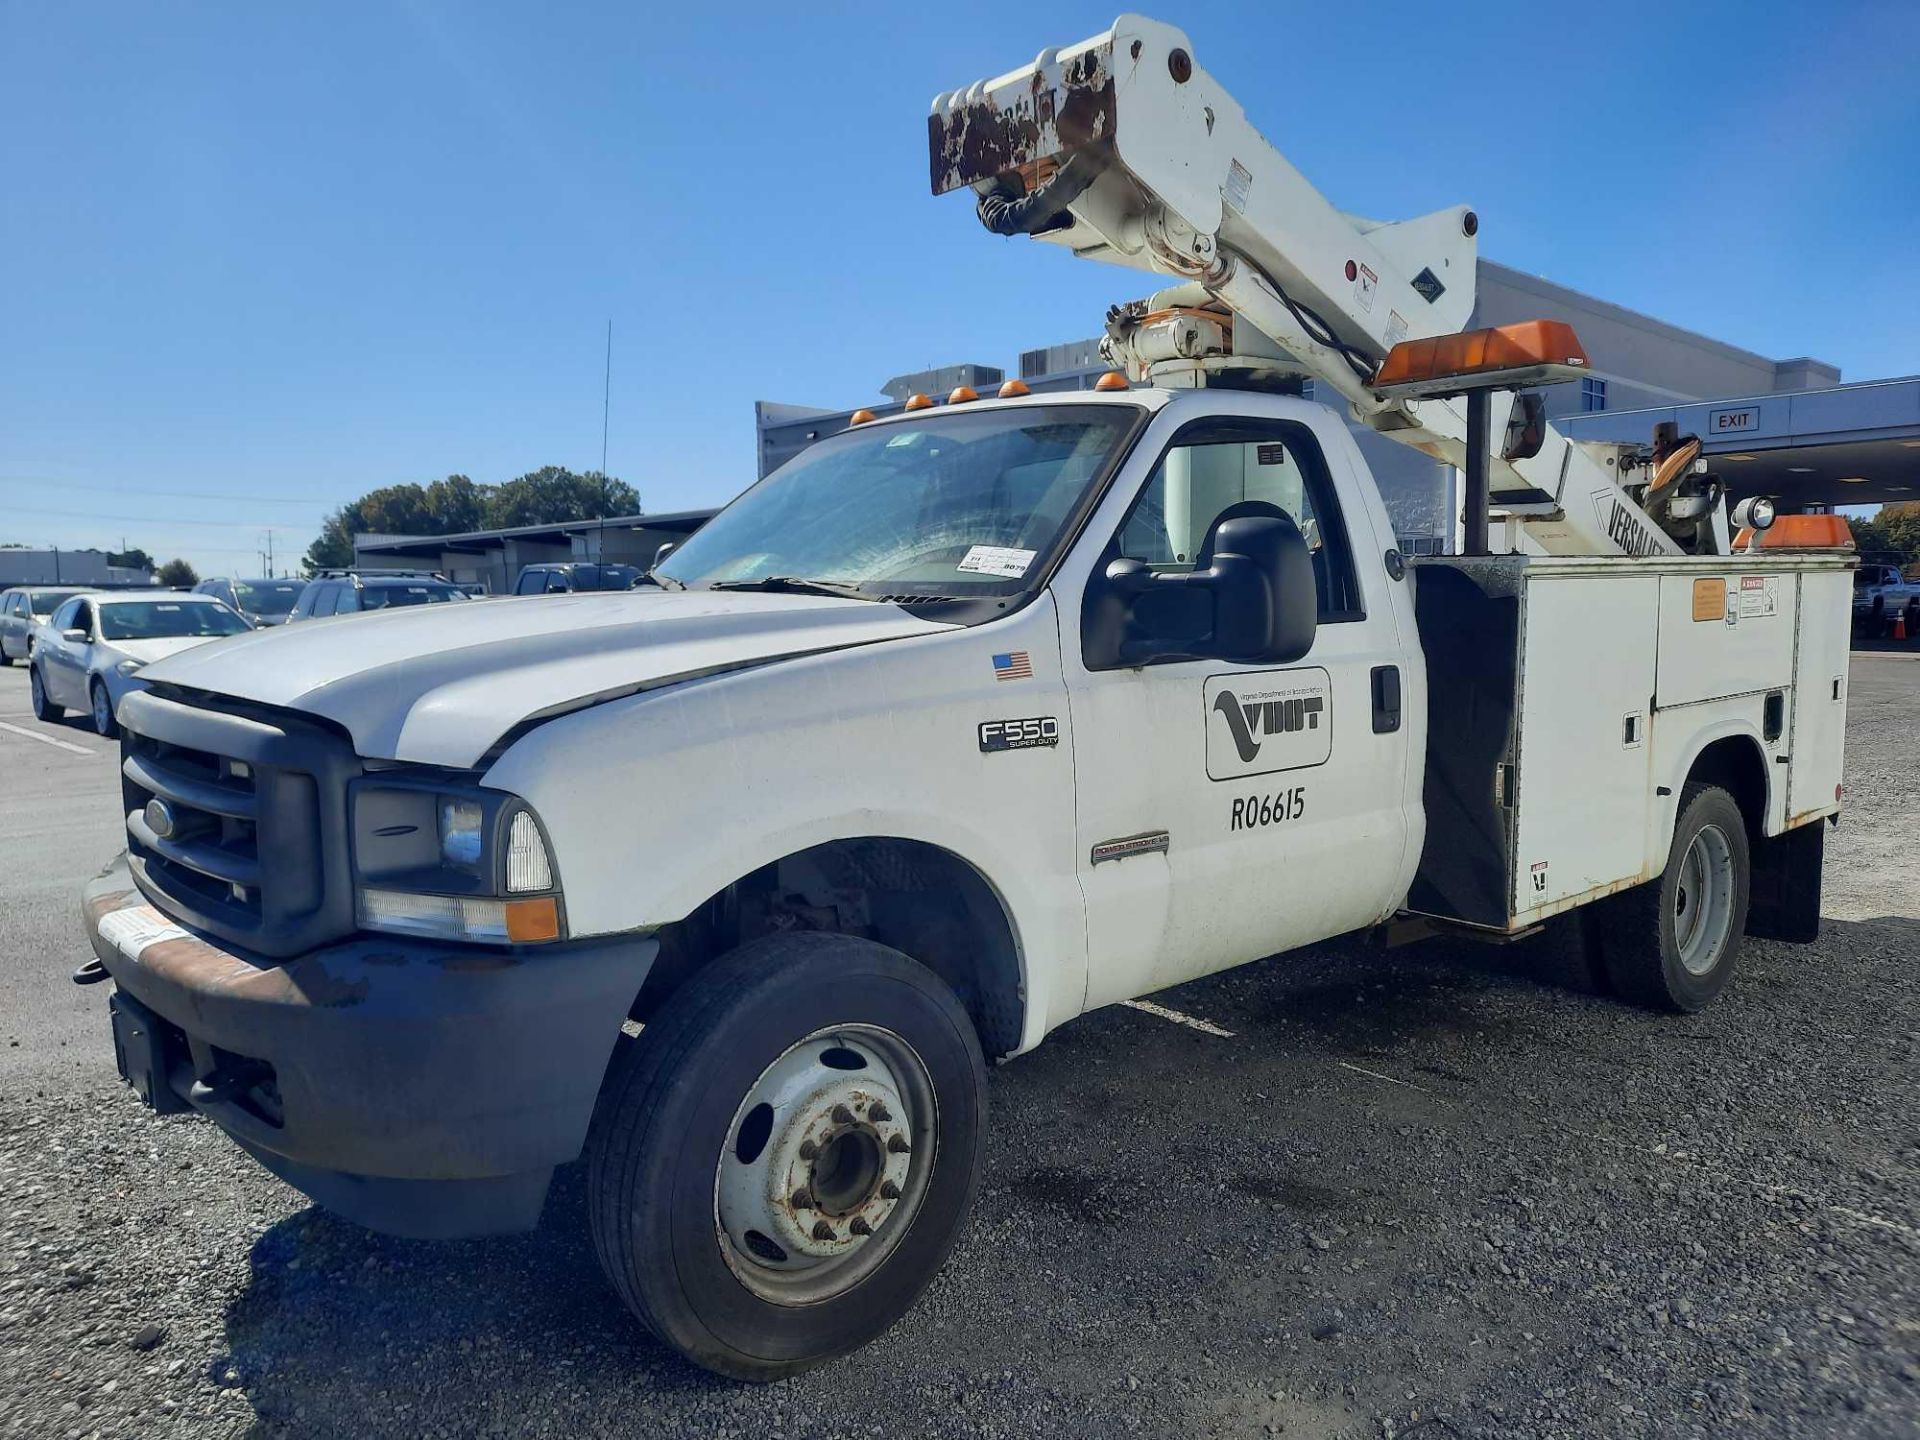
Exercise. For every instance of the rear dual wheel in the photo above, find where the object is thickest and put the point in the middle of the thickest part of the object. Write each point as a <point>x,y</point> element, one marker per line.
<point>783,1158</point>
<point>1672,944</point>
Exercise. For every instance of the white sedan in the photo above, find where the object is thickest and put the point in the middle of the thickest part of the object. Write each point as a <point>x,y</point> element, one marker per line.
<point>90,652</point>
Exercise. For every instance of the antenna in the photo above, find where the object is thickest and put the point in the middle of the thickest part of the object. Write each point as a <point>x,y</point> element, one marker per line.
<point>606,398</point>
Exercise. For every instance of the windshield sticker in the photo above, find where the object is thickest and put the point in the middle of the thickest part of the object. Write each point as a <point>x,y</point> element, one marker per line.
<point>999,560</point>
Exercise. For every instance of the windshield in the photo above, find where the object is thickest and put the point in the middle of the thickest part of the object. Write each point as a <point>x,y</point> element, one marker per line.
<point>382,597</point>
<point>959,503</point>
<point>45,602</point>
<point>268,597</point>
<point>159,619</point>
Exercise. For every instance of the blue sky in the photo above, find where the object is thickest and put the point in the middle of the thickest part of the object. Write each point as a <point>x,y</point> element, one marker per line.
<point>261,258</point>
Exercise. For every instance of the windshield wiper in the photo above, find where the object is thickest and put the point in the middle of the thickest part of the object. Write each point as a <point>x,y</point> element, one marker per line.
<point>665,582</point>
<point>794,585</point>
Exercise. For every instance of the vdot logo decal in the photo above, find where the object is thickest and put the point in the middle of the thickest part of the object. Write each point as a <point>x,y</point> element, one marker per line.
<point>1268,720</point>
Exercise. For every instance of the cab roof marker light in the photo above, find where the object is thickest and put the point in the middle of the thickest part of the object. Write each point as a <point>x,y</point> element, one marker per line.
<point>1112,380</point>
<point>859,417</point>
<point>961,394</point>
<point>1014,389</point>
<point>919,402</point>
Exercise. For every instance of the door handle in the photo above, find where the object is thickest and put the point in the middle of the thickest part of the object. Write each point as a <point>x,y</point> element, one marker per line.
<point>1386,699</point>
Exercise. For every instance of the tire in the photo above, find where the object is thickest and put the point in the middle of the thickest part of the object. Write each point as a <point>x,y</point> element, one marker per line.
<point>43,708</point>
<point>681,1164</point>
<point>1672,944</point>
<point>101,705</point>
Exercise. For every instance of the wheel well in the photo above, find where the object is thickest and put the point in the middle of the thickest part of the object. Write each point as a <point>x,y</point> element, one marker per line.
<point>1735,764</point>
<point>921,900</point>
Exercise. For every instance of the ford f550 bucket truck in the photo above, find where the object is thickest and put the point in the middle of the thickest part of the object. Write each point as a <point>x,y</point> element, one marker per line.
<point>963,723</point>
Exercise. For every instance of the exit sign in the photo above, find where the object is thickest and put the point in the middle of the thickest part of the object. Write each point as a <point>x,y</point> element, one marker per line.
<point>1741,421</point>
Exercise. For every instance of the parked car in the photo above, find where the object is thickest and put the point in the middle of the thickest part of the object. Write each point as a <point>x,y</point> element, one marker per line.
<point>21,609</point>
<point>264,601</point>
<point>560,578</point>
<point>95,645</point>
<point>1881,592</point>
<point>346,592</point>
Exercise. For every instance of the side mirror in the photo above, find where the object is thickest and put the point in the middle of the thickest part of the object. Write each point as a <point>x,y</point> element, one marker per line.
<point>76,635</point>
<point>1255,602</point>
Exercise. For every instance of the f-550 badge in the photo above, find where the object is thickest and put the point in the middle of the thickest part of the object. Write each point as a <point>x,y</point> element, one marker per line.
<point>1029,734</point>
<point>1268,720</point>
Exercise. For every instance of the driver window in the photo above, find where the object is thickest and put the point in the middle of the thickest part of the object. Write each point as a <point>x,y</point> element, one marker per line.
<point>1217,471</point>
<point>66,618</point>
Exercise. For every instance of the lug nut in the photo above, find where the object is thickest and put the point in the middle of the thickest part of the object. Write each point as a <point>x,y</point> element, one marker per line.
<point>823,1231</point>
<point>808,1150</point>
<point>802,1199</point>
<point>877,1112</point>
<point>889,1190</point>
<point>842,1115</point>
<point>898,1145</point>
<point>860,1226</point>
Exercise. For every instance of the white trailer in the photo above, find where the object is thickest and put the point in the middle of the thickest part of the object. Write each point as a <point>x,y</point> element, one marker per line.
<point>961,724</point>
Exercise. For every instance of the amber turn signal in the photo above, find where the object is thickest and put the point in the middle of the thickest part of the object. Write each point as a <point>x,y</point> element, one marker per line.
<point>532,920</point>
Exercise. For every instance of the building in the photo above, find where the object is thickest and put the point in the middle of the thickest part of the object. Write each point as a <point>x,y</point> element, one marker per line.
<point>1639,363</point>
<point>65,567</point>
<point>494,558</point>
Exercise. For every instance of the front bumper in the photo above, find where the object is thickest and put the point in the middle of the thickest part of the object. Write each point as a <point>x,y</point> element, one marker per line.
<point>415,1088</point>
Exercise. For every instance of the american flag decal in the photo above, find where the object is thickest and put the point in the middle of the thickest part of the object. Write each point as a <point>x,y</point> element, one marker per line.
<point>1016,665</point>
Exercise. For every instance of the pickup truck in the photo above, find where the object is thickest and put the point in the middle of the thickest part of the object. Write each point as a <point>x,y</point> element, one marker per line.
<point>965,722</point>
<point>1880,592</point>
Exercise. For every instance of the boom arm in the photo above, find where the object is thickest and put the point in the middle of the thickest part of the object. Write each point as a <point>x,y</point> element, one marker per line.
<point>1121,148</point>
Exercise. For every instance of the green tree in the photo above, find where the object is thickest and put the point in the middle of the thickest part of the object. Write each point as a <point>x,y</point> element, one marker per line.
<point>553,494</point>
<point>177,572</point>
<point>1894,531</point>
<point>446,507</point>
<point>134,559</point>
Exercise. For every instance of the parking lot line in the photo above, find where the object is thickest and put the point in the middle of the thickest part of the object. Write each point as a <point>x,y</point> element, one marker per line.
<point>1206,1027</point>
<point>48,739</point>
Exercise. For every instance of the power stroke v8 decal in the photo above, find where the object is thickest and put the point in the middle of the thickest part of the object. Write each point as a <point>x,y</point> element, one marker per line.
<point>1268,720</point>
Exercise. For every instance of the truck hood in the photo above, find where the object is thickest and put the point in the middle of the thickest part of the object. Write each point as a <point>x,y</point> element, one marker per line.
<point>440,684</point>
<point>148,651</point>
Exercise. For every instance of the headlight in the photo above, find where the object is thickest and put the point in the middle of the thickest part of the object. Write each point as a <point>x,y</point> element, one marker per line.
<point>127,667</point>
<point>433,856</point>
<point>461,839</point>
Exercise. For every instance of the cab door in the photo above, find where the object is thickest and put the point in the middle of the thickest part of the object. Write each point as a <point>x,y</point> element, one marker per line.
<point>1230,811</point>
<point>63,667</point>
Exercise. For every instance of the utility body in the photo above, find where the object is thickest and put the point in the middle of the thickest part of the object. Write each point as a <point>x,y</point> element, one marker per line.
<point>965,722</point>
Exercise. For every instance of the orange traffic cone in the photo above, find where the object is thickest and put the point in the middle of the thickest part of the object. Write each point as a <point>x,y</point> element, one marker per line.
<point>1900,625</point>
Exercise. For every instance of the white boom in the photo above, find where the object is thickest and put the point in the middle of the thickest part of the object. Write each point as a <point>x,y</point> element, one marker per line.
<point>1121,148</point>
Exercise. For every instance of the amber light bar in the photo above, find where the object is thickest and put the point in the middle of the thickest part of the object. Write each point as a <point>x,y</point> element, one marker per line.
<point>1506,357</point>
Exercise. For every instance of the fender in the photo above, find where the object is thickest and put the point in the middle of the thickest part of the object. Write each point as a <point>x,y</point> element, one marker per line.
<point>1665,812</point>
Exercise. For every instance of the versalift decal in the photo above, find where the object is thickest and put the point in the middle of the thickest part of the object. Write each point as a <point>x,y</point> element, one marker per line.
<point>1625,527</point>
<point>1028,734</point>
<point>1268,720</point>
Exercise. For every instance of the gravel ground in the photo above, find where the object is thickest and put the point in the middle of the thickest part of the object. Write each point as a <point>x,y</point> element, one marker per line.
<point>1431,1192</point>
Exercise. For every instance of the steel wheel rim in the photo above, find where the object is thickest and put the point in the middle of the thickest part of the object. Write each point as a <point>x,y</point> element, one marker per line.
<point>825,1164</point>
<point>1703,900</point>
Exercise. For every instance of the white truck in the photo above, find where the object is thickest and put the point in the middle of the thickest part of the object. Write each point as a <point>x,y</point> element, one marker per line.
<point>967,721</point>
<point>1882,591</point>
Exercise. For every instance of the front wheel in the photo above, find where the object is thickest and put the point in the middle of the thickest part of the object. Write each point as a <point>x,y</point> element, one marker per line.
<point>783,1158</point>
<point>43,708</point>
<point>1672,944</point>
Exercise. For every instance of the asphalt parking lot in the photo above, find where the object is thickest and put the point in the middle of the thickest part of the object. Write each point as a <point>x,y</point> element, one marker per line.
<point>1441,1191</point>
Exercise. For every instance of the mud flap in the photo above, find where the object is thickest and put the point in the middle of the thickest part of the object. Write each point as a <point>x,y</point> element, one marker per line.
<point>1784,903</point>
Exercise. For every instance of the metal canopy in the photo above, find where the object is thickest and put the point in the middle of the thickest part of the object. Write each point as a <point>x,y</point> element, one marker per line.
<point>1849,445</point>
